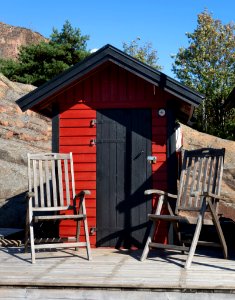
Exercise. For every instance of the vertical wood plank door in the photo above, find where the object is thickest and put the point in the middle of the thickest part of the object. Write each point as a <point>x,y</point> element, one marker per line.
<point>123,174</point>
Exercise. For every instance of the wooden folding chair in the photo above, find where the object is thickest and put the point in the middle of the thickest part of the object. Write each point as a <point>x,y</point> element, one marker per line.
<point>196,202</point>
<point>52,196</point>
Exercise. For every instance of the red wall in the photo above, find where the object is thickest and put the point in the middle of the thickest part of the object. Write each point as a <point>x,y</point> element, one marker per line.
<point>107,87</point>
<point>74,136</point>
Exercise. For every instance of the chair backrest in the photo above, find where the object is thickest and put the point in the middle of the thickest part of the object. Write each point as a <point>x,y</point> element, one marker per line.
<point>202,171</point>
<point>51,179</point>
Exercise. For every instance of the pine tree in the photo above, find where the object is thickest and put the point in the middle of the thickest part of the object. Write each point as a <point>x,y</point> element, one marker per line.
<point>39,63</point>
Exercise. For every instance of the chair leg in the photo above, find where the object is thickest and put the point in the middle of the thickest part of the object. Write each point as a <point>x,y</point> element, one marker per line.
<point>196,236</point>
<point>31,234</point>
<point>152,229</point>
<point>88,247</point>
<point>219,230</point>
<point>78,233</point>
<point>26,237</point>
<point>82,210</point>
<point>194,244</point>
<point>146,249</point>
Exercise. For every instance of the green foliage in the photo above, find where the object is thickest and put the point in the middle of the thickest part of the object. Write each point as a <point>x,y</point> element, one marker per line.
<point>208,65</point>
<point>8,67</point>
<point>144,53</point>
<point>229,125</point>
<point>38,63</point>
<point>71,41</point>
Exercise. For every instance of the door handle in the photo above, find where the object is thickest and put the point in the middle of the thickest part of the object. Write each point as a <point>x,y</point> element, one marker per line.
<point>152,159</point>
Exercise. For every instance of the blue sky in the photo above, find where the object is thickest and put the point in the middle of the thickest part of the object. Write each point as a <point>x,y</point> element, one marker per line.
<point>164,23</point>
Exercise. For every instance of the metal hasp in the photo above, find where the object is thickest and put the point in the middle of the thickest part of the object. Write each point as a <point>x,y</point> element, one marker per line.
<point>93,123</point>
<point>152,159</point>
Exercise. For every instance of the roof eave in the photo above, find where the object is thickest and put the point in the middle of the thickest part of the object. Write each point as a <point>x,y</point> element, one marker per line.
<point>109,53</point>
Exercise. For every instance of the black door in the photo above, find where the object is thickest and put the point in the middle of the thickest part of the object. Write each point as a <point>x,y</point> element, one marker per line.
<point>123,173</point>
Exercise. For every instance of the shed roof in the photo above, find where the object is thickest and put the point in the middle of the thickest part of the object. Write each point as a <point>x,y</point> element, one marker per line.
<point>112,54</point>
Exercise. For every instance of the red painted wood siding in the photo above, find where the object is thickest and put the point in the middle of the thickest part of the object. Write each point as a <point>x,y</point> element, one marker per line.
<point>159,170</point>
<point>74,135</point>
<point>108,87</point>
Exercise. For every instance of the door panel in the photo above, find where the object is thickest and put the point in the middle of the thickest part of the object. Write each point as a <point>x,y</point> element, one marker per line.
<point>123,144</point>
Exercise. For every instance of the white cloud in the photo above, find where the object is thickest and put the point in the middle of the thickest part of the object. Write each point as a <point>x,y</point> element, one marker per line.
<point>93,50</point>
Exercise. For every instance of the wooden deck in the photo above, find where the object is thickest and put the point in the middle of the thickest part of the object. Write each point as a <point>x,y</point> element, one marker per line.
<point>115,269</point>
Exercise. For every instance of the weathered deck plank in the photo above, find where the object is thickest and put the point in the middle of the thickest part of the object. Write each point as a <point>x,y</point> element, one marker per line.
<point>81,294</point>
<point>111,268</point>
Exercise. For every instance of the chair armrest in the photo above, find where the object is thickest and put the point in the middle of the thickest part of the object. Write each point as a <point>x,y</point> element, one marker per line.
<point>159,192</point>
<point>81,209</point>
<point>218,197</point>
<point>82,193</point>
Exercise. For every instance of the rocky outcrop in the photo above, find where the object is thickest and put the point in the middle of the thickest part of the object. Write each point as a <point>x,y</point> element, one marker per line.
<point>20,133</point>
<point>12,38</point>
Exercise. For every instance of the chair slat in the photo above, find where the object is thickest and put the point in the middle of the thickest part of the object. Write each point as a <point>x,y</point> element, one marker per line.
<point>60,182</point>
<point>66,173</point>
<point>30,174</point>
<point>47,179</point>
<point>35,182</point>
<point>201,179</point>
<point>186,182</point>
<point>219,171</point>
<point>198,181</point>
<point>199,174</point>
<point>205,171</point>
<point>54,184</point>
<point>211,175</point>
<point>181,183</point>
<point>72,175</point>
<point>219,176</point>
<point>50,156</point>
<point>41,182</point>
<point>193,181</point>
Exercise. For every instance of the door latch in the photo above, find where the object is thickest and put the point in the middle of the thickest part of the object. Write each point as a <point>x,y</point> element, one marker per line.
<point>93,230</point>
<point>92,142</point>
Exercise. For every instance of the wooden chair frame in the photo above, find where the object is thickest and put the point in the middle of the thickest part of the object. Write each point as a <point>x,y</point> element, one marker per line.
<point>52,196</point>
<point>198,194</point>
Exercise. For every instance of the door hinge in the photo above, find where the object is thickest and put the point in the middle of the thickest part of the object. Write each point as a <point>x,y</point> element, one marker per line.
<point>93,123</point>
<point>92,142</point>
<point>93,230</point>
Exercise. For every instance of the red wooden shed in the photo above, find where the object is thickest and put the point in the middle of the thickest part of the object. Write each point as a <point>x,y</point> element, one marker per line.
<point>117,115</point>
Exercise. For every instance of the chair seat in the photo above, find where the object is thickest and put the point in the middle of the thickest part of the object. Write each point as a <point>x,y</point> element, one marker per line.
<point>59,217</point>
<point>60,245</point>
